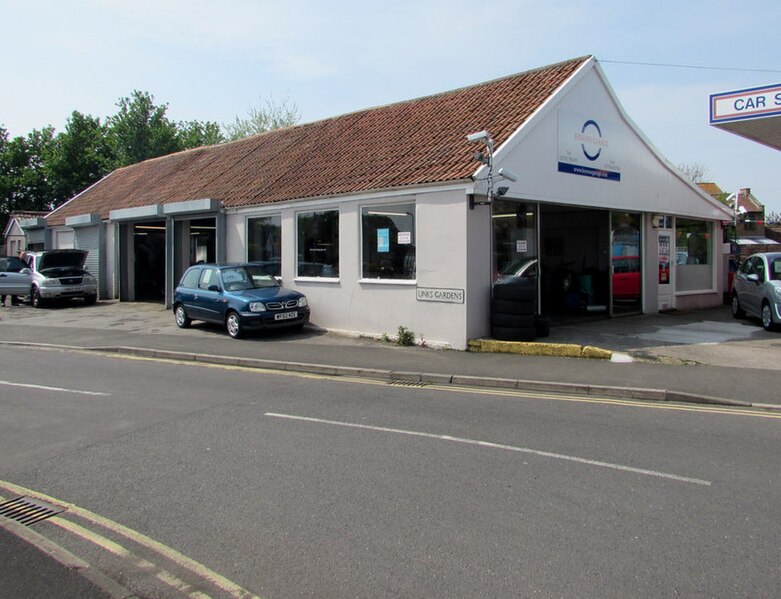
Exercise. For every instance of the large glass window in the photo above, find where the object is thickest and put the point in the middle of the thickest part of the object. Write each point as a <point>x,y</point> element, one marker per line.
<point>388,234</point>
<point>515,239</point>
<point>264,237</point>
<point>318,244</point>
<point>693,255</point>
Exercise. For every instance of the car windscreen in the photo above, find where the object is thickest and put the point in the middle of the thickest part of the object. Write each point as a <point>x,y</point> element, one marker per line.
<point>246,277</point>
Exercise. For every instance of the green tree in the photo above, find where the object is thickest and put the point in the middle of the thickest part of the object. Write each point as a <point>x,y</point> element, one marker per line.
<point>275,115</point>
<point>82,155</point>
<point>194,134</point>
<point>141,130</point>
<point>25,180</point>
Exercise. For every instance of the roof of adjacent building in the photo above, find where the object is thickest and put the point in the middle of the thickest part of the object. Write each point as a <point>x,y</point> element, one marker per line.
<point>747,200</point>
<point>417,142</point>
<point>712,189</point>
<point>17,215</point>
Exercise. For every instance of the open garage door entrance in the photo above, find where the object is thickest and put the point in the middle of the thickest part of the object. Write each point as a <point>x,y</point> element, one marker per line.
<point>585,262</point>
<point>149,263</point>
<point>575,261</point>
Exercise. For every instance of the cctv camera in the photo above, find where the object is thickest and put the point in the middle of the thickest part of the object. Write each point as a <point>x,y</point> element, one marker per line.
<point>503,172</point>
<point>479,136</point>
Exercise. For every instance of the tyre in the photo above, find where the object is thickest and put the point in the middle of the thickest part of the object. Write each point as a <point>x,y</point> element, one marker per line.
<point>513,333</point>
<point>767,317</point>
<point>499,319</point>
<point>737,311</point>
<point>233,326</point>
<point>180,316</point>
<point>36,300</point>
<point>504,306</point>
<point>542,326</point>
<point>517,290</point>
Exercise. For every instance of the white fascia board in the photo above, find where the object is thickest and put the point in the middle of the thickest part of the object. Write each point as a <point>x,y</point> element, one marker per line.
<point>83,220</point>
<point>192,207</point>
<point>137,213</point>
<point>38,222</point>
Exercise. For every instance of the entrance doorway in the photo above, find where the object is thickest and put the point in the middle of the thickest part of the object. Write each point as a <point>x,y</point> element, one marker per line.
<point>149,263</point>
<point>575,261</point>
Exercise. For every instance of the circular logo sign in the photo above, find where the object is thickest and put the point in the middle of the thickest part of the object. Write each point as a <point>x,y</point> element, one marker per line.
<point>591,140</point>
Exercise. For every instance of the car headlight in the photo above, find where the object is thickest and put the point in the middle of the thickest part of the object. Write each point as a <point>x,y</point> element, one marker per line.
<point>257,307</point>
<point>777,293</point>
<point>88,280</point>
<point>302,302</point>
<point>50,283</point>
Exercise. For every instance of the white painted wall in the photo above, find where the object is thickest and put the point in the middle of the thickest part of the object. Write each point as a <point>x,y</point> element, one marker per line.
<point>357,306</point>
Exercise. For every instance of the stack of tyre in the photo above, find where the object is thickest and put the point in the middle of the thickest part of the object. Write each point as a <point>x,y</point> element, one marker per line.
<point>514,311</point>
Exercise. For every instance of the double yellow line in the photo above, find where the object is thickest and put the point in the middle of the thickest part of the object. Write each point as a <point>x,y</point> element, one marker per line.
<point>200,576</point>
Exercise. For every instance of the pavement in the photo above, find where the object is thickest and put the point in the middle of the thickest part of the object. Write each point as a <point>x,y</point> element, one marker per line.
<point>703,356</point>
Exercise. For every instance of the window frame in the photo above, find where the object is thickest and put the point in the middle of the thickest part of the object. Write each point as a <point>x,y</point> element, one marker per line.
<point>388,207</point>
<point>298,261</point>
<point>248,228</point>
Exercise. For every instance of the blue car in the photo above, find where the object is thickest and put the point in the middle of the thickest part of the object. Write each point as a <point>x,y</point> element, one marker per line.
<point>240,297</point>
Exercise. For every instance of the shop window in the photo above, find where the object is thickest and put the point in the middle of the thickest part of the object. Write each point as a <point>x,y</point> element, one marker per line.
<point>693,252</point>
<point>318,244</point>
<point>264,243</point>
<point>388,234</point>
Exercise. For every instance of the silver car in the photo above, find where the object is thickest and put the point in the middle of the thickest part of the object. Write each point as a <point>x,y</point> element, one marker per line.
<point>60,274</point>
<point>756,289</point>
<point>15,278</point>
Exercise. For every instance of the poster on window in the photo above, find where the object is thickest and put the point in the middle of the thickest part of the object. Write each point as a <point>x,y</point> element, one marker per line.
<point>383,240</point>
<point>405,237</point>
<point>664,259</point>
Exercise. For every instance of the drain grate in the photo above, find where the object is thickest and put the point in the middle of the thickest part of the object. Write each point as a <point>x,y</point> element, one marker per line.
<point>407,384</point>
<point>28,511</point>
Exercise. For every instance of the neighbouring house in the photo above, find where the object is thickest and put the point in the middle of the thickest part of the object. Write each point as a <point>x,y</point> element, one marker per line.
<point>750,235</point>
<point>407,214</point>
<point>14,238</point>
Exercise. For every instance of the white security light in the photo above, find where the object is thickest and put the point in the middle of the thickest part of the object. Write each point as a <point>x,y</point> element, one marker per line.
<point>479,136</point>
<point>503,172</point>
<point>742,210</point>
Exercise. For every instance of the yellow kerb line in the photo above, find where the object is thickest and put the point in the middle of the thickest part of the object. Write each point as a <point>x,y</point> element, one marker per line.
<point>183,561</point>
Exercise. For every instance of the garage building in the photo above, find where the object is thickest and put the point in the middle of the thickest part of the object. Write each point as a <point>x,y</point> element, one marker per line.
<point>407,214</point>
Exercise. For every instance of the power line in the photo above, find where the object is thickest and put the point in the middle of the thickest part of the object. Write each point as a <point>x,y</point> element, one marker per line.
<point>690,66</point>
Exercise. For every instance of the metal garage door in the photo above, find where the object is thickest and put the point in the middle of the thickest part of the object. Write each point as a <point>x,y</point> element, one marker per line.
<point>88,238</point>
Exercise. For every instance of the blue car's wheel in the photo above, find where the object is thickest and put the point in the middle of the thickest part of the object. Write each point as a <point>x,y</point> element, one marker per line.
<point>182,320</point>
<point>233,325</point>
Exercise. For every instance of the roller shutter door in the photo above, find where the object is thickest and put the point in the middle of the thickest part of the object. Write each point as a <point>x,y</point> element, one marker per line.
<point>88,238</point>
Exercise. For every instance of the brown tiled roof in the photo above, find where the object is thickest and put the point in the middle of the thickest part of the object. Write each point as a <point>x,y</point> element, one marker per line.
<point>415,142</point>
<point>749,202</point>
<point>711,189</point>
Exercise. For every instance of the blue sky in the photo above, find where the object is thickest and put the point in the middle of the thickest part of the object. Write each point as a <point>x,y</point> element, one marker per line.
<point>212,60</point>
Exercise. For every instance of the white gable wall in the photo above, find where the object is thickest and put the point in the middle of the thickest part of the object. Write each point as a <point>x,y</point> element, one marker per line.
<point>648,183</point>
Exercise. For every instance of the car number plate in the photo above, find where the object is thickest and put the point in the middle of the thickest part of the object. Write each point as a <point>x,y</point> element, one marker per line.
<point>286,316</point>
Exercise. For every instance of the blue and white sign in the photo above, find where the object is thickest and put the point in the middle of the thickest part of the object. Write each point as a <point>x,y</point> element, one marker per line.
<point>586,147</point>
<point>743,104</point>
<point>383,240</point>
